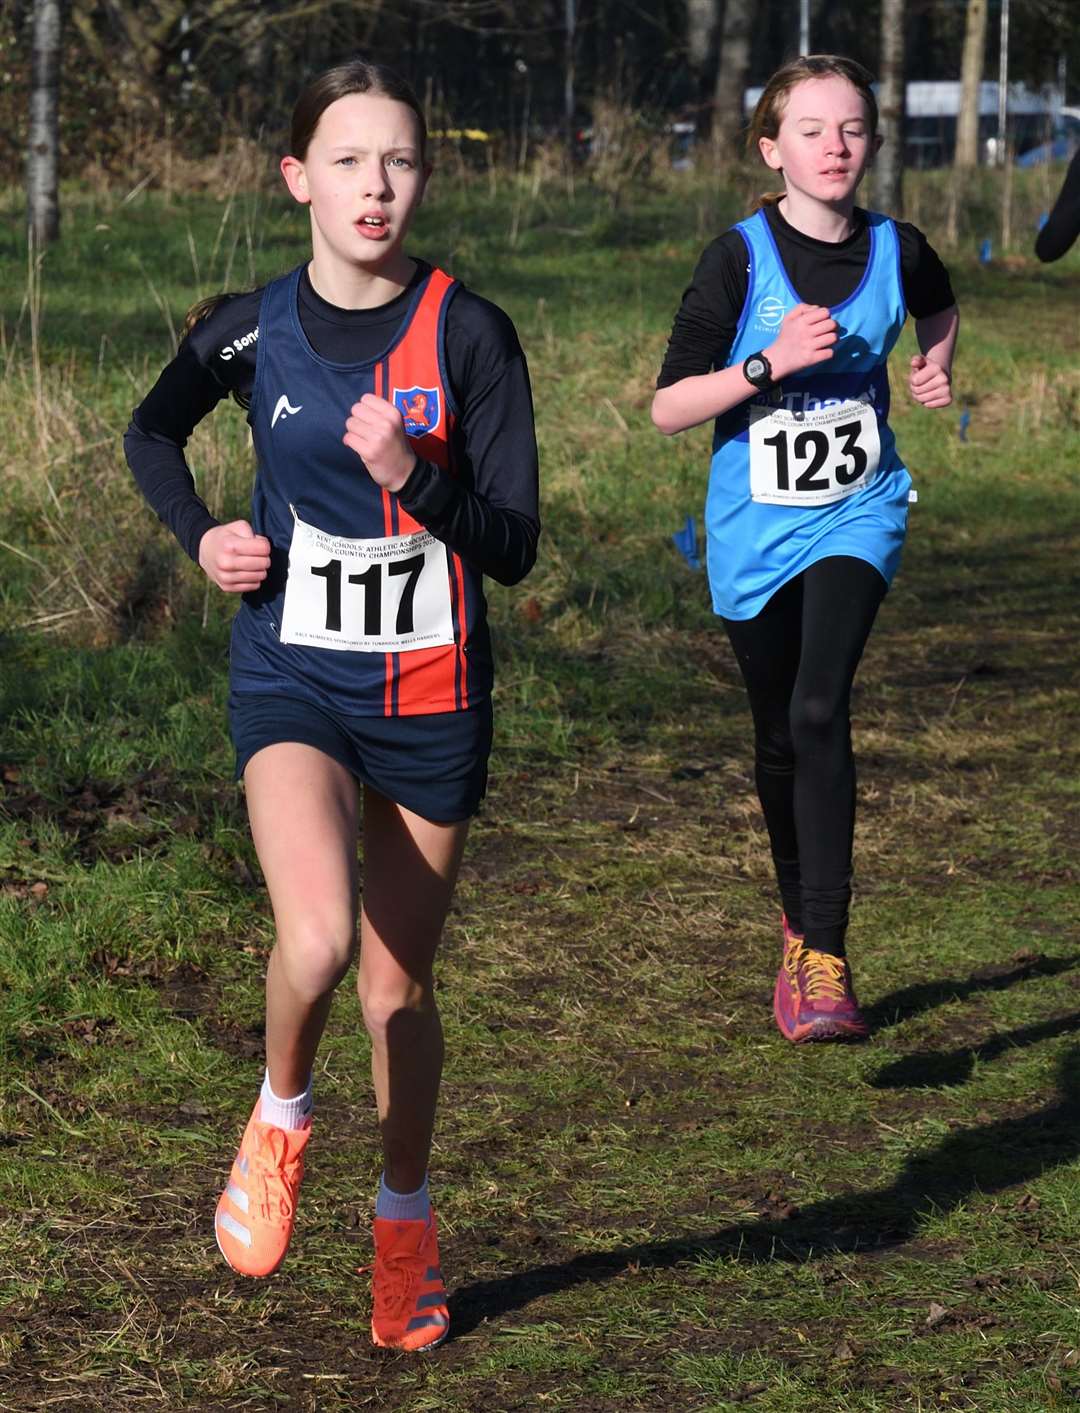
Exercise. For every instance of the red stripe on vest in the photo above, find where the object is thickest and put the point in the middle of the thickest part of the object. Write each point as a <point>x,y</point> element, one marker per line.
<point>388,520</point>
<point>426,678</point>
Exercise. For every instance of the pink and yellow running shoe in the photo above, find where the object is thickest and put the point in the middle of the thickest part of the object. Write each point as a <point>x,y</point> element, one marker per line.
<point>409,1296</point>
<point>813,998</point>
<point>256,1212</point>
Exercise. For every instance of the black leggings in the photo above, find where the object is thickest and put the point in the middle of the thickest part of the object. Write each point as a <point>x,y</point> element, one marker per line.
<point>798,659</point>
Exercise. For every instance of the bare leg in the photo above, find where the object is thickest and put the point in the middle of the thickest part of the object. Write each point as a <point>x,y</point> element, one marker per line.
<point>303,808</point>
<point>410,867</point>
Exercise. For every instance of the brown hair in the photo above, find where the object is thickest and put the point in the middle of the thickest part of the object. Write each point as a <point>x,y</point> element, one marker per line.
<point>354,76</point>
<point>769,109</point>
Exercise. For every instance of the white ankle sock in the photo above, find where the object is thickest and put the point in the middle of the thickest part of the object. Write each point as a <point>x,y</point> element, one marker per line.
<point>403,1206</point>
<point>285,1113</point>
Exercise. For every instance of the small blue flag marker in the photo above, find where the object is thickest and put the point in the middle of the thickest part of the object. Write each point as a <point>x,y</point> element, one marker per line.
<point>686,543</point>
<point>965,423</point>
<point>986,251</point>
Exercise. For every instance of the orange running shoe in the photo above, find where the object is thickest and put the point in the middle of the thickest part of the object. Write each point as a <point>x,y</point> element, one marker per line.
<point>410,1298</point>
<point>255,1213</point>
<point>814,998</point>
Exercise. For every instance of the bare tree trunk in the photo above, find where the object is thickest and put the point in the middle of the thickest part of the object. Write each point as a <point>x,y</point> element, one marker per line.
<point>701,17</point>
<point>889,163</point>
<point>702,21</point>
<point>728,119</point>
<point>971,71</point>
<point>43,149</point>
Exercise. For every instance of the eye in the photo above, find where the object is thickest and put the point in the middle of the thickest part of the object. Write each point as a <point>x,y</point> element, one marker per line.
<point>401,162</point>
<point>345,162</point>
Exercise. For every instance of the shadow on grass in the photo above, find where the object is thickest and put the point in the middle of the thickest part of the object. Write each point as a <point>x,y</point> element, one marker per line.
<point>987,1159</point>
<point>936,1069</point>
<point>902,1005</point>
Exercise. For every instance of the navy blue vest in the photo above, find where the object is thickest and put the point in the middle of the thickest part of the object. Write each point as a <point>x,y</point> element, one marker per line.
<point>299,406</point>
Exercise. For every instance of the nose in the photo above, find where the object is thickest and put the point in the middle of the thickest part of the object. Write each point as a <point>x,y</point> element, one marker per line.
<point>836,143</point>
<point>375,183</point>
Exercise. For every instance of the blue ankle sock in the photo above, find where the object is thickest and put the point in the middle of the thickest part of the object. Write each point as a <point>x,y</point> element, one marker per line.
<point>403,1206</point>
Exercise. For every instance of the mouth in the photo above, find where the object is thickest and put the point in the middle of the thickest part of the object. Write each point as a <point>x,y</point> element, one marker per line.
<point>373,227</point>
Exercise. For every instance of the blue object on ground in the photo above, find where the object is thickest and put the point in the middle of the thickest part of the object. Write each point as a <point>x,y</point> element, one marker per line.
<point>686,543</point>
<point>986,250</point>
<point>965,423</point>
<point>1043,218</point>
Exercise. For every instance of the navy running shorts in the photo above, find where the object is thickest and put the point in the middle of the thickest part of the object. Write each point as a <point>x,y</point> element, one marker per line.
<point>434,765</point>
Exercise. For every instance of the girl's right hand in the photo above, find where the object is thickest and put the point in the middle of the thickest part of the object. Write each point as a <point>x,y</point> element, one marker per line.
<point>806,337</point>
<point>234,557</point>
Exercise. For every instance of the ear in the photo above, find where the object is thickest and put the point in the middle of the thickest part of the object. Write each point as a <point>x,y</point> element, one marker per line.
<point>292,169</point>
<point>879,142</point>
<point>769,153</point>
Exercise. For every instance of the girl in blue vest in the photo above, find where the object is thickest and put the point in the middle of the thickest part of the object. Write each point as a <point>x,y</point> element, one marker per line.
<point>392,422</point>
<point>783,338</point>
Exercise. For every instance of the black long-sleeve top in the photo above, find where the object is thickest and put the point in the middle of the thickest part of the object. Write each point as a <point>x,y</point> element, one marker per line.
<point>1063,224</point>
<point>488,512</point>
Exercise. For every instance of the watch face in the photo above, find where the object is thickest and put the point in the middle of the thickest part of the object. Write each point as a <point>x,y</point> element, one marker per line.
<point>755,368</point>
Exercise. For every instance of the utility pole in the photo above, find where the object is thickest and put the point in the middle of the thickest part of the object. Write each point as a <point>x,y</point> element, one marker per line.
<point>1003,84</point>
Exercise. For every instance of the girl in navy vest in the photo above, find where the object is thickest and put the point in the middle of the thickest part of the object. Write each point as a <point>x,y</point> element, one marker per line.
<point>783,338</point>
<point>392,423</point>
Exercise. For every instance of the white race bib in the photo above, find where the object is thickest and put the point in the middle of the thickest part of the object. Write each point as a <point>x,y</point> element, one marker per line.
<point>813,457</point>
<point>369,596</point>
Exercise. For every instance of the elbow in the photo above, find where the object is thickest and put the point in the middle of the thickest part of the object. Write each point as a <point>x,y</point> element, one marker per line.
<point>514,568</point>
<point>510,574</point>
<point>661,418</point>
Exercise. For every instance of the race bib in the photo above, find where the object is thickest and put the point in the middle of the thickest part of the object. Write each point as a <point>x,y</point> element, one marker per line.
<point>813,457</point>
<point>369,596</point>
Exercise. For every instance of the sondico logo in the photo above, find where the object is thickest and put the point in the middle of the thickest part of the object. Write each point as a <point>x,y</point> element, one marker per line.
<point>238,345</point>
<point>770,312</point>
<point>283,409</point>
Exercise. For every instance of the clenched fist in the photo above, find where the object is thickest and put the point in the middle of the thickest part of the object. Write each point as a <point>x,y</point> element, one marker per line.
<point>376,433</point>
<point>806,337</point>
<point>234,557</point>
<point>930,384</point>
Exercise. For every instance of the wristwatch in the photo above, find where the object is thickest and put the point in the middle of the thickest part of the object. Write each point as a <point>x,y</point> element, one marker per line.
<point>758,370</point>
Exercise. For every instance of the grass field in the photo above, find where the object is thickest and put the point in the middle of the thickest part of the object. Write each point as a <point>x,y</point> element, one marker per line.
<point>648,1200</point>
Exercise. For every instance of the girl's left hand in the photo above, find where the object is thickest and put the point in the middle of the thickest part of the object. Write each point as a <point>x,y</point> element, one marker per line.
<point>376,433</point>
<point>930,384</point>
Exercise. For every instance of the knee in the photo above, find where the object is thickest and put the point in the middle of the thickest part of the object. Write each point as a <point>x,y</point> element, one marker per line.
<point>774,751</point>
<point>317,955</point>
<point>386,1004</point>
<point>817,719</point>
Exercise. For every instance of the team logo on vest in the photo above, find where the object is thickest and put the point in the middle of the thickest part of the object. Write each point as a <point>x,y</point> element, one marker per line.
<point>420,409</point>
<point>770,312</point>
<point>283,409</point>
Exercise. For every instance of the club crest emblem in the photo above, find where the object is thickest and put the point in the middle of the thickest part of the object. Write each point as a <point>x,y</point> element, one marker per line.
<point>420,409</point>
<point>770,312</point>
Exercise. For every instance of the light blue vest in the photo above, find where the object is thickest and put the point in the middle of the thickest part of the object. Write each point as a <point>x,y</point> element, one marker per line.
<point>755,546</point>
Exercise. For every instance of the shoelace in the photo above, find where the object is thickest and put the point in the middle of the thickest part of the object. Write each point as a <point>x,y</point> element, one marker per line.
<point>394,1280</point>
<point>276,1172</point>
<point>792,957</point>
<point>824,975</point>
